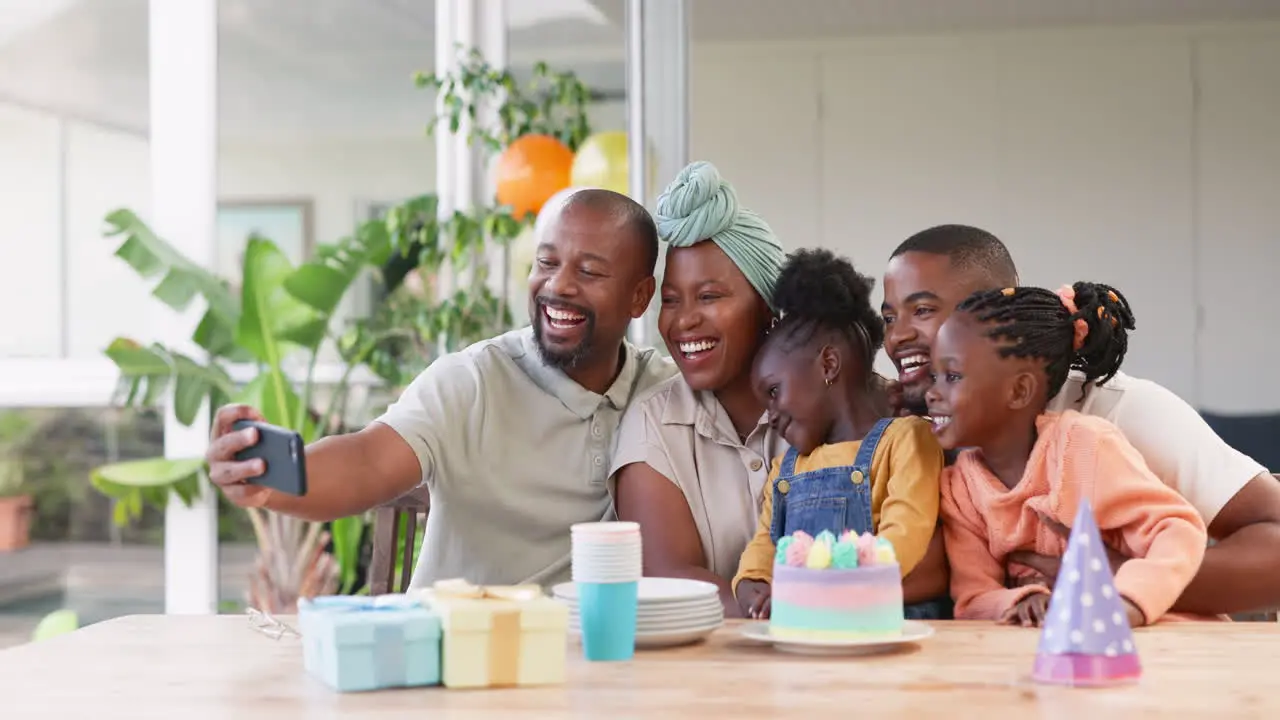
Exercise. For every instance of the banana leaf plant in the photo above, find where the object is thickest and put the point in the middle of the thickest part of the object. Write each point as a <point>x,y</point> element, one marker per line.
<point>281,313</point>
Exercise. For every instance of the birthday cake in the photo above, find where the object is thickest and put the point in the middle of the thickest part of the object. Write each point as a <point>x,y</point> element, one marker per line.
<point>826,588</point>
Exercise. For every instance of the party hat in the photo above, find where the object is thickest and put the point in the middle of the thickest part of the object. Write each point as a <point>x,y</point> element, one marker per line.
<point>1086,638</point>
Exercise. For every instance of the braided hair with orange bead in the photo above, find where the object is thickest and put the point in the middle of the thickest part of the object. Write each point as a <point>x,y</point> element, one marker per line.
<point>1082,327</point>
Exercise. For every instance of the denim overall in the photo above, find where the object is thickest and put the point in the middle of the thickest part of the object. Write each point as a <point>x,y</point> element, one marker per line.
<point>837,499</point>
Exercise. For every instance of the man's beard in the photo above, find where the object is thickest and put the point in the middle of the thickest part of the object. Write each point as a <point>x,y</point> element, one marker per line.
<point>566,359</point>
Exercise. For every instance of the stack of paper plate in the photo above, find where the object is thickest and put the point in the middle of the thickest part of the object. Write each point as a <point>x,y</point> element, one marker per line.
<point>669,611</point>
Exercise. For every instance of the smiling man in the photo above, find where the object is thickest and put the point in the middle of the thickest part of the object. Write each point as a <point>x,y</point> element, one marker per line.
<point>511,436</point>
<point>931,272</point>
<point>915,306</point>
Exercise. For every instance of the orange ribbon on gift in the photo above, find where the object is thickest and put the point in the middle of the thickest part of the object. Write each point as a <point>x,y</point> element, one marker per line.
<point>504,634</point>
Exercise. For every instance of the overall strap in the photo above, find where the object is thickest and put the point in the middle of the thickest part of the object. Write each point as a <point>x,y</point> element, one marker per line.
<point>788,467</point>
<point>785,471</point>
<point>867,450</point>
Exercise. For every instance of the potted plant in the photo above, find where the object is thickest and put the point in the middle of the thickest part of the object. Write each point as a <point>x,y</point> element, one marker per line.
<point>280,312</point>
<point>15,499</point>
<point>416,322</point>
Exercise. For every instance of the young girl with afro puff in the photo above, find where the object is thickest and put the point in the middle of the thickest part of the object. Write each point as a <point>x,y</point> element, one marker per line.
<point>848,467</point>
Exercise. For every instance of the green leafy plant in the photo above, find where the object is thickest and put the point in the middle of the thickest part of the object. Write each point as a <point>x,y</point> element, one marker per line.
<point>281,312</point>
<point>16,430</point>
<point>419,320</point>
<point>550,103</point>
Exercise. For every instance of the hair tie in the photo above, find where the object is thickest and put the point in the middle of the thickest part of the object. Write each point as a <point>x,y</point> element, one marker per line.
<point>1067,295</point>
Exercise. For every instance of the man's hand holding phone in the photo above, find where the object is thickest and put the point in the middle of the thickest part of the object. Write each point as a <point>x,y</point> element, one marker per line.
<point>249,459</point>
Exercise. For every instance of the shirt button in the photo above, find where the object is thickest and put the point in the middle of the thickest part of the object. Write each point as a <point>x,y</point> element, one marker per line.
<point>756,465</point>
<point>595,430</point>
<point>599,461</point>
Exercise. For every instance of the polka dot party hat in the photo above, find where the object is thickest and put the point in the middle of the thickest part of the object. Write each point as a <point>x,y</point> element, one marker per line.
<point>1086,638</point>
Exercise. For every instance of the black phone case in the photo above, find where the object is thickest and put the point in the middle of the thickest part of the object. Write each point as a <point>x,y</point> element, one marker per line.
<point>282,451</point>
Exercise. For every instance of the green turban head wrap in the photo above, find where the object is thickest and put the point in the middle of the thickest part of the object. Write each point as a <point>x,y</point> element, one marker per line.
<point>699,205</point>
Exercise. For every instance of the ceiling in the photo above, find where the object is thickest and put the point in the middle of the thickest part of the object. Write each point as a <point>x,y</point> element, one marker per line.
<point>290,68</point>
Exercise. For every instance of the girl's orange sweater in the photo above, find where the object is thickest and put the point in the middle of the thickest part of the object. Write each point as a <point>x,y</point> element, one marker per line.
<point>1075,456</point>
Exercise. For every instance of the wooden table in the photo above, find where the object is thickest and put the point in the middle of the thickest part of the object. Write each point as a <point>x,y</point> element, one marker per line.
<point>195,667</point>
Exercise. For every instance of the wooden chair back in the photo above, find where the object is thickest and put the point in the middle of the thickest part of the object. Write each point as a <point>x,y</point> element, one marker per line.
<point>389,544</point>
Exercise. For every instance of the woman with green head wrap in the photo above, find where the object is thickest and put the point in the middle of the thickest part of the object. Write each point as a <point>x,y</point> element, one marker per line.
<point>693,455</point>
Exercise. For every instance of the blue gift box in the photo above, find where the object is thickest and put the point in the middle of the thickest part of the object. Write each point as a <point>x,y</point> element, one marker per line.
<point>362,643</point>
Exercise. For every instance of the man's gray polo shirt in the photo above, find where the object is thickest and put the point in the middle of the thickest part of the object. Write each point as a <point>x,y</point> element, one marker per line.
<point>513,453</point>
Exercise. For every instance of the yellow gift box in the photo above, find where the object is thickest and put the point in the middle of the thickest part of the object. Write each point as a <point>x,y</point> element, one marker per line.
<point>499,636</point>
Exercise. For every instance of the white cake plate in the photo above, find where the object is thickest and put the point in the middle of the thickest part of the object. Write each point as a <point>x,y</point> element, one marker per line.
<point>913,631</point>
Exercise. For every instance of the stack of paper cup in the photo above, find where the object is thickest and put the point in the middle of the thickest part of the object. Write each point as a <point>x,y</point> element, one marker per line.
<point>607,569</point>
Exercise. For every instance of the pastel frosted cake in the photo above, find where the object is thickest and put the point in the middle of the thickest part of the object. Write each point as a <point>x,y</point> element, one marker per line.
<point>826,588</point>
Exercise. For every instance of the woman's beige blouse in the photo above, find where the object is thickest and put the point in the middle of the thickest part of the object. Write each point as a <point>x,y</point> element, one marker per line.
<point>687,437</point>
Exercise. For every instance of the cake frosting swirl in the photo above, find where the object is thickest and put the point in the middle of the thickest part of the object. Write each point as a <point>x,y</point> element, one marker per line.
<point>826,551</point>
<point>829,587</point>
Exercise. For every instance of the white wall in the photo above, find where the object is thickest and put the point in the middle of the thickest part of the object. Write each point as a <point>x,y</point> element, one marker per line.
<point>341,178</point>
<point>100,170</point>
<point>1237,214</point>
<point>108,169</point>
<point>30,233</point>
<point>1146,158</point>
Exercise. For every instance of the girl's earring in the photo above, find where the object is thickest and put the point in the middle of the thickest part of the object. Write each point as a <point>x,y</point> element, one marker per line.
<point>829,381</point>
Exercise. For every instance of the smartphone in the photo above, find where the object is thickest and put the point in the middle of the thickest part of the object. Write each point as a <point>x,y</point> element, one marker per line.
<point>284,454</point>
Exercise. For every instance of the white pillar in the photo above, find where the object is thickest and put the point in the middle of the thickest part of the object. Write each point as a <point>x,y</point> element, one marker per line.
<point>462,171</point>
<point>657,111</point>
<point>490,38</point>
<point>464,38</point>
<point>666,90</point>
<point>491,41</point>
<point>463,25</point>
<point>637,100</point>
<point>446,142</point>
<point>184,141</point>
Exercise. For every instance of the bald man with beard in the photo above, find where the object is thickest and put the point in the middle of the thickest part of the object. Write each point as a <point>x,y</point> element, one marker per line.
<point>512,436</point>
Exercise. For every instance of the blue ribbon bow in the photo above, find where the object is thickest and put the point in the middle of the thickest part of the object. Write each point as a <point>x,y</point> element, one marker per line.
<point>352,603</point>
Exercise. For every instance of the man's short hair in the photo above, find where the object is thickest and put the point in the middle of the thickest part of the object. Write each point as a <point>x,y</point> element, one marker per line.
<point>634,215</point>
<point>969,248</point>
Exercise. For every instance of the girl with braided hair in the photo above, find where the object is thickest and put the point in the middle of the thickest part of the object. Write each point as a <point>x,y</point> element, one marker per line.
<point>997,362</point>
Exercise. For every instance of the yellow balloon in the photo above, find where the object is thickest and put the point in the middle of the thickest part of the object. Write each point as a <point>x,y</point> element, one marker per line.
<point>601,162</point>
<point>524,250</point>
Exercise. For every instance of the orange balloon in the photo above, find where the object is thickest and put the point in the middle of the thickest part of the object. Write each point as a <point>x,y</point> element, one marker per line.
<point>530,171</point>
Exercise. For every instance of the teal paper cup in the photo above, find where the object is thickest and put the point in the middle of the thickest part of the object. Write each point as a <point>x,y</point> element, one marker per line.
<point>607,615</point>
